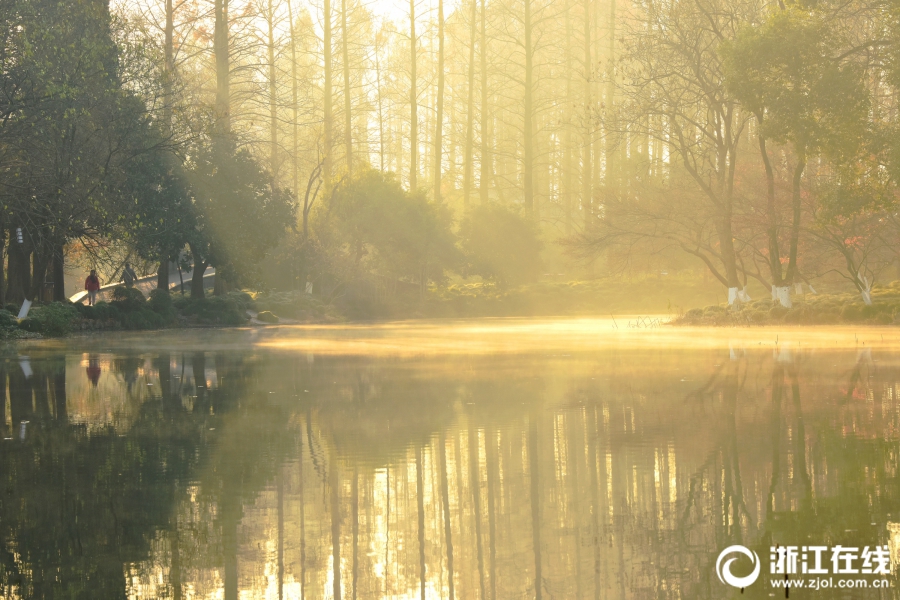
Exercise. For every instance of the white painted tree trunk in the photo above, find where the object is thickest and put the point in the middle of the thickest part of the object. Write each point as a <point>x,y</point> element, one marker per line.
<point>783,295</point>
<point>743,295</point>
<point>867,289</point>
<point>867,297</point>
<point>732,295</point>
<point>798,288</point>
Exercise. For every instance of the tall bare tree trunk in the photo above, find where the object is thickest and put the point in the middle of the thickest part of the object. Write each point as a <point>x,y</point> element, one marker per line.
<point>445,504</point>
<point>295,158</point>
<point>162,272</point>
<point>57,272</point>
<point>611,175</point>
<point>534,472</point>
<point>348,117</point>
<point>273,99</point>
<point>587,143</point>
<point>597,93</point>
<point>528,137</point>
<point>334,484</point>
<point>470,111</point>
<point>566,185</point>
<point>327,92</point>
<point>223,69</point>
<point>484,179</point>
<point>378,39</point>
<point>413,100</point>
<point>439,116</point>
<point>420,502</point>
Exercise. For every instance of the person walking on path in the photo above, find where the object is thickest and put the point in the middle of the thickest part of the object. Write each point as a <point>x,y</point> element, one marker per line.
<point>128,275</point>
<point>92,284</point>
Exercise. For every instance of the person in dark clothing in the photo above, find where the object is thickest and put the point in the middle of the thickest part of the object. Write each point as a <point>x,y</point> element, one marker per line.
<point>128,275</point>
<point>92,284</point>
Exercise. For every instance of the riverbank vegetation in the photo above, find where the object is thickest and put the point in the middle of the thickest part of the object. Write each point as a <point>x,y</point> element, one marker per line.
<point>809,309</point>
<point>356,166</point>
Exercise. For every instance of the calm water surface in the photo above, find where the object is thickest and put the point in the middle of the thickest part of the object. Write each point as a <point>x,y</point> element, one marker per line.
<point>480,459</point>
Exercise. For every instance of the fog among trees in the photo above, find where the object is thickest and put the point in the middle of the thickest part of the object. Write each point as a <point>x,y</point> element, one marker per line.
<point>329,146</point>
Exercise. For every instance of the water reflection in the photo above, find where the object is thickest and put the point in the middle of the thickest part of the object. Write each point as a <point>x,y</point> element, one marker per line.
<point>278,474</point>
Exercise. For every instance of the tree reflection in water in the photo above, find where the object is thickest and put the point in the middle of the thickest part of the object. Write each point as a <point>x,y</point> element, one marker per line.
<point>272,475</point>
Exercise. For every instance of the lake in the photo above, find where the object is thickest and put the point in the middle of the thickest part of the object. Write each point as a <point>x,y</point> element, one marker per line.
<point>503,458</point>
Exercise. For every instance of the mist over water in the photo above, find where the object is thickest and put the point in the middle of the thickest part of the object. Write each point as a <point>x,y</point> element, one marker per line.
<point>388,462</point>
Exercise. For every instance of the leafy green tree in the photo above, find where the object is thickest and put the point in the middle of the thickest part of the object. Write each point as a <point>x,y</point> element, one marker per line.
<point>788,73</point>
<point>501,243</point>
<point>239,216</point>
<point>381,228</point>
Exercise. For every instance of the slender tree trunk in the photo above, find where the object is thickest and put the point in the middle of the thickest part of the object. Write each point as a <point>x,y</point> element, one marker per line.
<point>413,101</point>
<point>796,210</point>
<point>168,81</point>
<point>231,516</point>
<point>534,468</point>
<point>162,272</point>
<point>484,179</point>
<point>439,116</point>
<point>197,275</point>
<point>354,506</point>
<point>279,485</point>
<point>2,264</point>
<point>475,484</point>
<point>223,69</point>
<point>327,92</point>
<point>596,94</point>
<point>380,105</point>
<point>19,271</point>
<point>567,183</point>
<point>771,217</point>
<point>273,96</point>
<point>490,459</point>
<point>295,92</point>
<point>300,492</point>
<point>420,502</point>
<point>470,111</point>
<point>58,273</point>
<point>40,262</point>
<point>612,164</point>
<point>162,275</point>
<point>593,436</point>
<point>348,117</point>
<point>335,485</point>
<point>528,137</point>
<point>445,503</point>
<point>587,143</point>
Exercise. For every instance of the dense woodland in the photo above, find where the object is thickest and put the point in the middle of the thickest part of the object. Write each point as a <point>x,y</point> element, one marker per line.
<point>324,144</point>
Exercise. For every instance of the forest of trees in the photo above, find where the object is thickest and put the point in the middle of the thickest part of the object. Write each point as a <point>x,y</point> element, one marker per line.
<point>340,141</point>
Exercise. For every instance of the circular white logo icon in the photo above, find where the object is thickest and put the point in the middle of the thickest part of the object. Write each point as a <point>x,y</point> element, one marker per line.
<point>723,570</point>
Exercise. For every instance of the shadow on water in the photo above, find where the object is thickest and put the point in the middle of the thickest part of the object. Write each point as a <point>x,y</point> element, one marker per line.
<point>276,474</point>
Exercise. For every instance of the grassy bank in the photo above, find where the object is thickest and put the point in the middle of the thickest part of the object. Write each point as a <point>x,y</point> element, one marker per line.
<point>130,310</point>
<point>808,309</point>
<point>651,295</point>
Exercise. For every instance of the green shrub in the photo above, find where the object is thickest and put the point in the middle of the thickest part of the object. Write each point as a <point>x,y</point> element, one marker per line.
<point>128,299</point>
<point>51,320</point>
<point>7,319</point>
<point>161,302</point>
<point>777,312</point>
<point>852,312</point>
<point>217,310</point>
